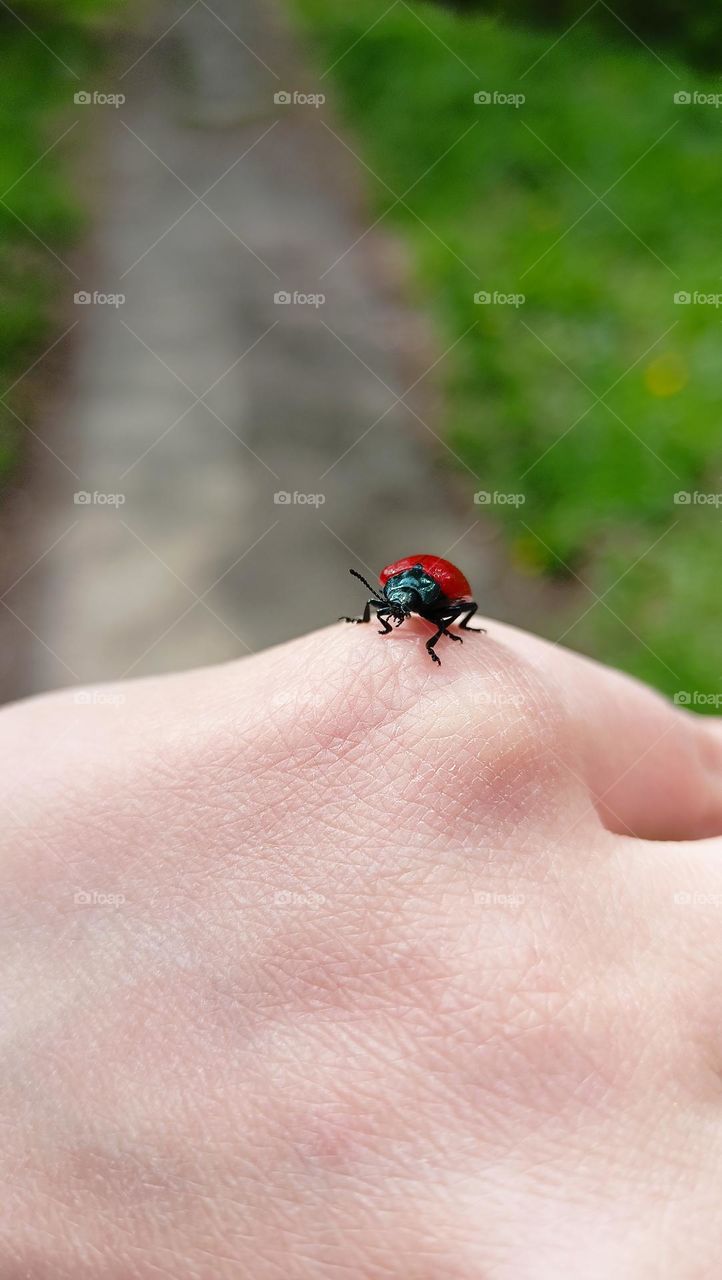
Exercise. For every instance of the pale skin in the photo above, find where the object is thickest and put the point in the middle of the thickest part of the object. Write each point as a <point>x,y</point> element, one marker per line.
<point>330,964</point>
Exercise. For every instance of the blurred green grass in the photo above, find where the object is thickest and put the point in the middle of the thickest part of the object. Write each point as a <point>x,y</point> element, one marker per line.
<point>40,206</point>
<point>504,198</point>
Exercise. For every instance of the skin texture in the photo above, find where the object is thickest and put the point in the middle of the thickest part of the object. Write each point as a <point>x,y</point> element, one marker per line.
<point>330,963</point>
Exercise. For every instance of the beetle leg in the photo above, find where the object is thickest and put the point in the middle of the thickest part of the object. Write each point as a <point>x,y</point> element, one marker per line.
<point>443,620</point>
<point>450,634</point>
<point>466,612</point>
<point>453,613</point>
<point>432,642</point>
<point>365,617</point>
<point>381,616</point>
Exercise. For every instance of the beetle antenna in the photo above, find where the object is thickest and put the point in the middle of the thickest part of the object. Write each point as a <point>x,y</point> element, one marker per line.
<point>374,590</point>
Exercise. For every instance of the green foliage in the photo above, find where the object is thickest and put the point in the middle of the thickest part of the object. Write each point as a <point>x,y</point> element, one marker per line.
<point>60,14</point>
<point>40,212</point>
<point>598,399</point>
<point>692,27</point>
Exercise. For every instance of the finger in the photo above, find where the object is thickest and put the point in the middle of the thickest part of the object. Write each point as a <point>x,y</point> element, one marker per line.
<point>653,769</point>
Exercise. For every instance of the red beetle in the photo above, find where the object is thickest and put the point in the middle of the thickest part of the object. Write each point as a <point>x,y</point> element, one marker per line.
<point>426,585</point>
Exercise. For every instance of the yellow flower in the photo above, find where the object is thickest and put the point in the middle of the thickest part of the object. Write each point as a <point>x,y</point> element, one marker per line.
<point>666,375</point>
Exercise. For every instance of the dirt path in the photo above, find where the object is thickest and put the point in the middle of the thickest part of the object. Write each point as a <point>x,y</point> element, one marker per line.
<point>199,398</point>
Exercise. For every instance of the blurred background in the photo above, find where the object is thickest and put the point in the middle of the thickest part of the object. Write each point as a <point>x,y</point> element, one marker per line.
<point>294,286</point>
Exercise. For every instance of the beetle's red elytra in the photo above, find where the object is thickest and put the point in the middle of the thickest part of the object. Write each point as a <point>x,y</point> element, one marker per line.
<point>451,580</point>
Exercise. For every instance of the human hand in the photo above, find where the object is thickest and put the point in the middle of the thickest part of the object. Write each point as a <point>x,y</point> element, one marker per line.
<point>332,963</point>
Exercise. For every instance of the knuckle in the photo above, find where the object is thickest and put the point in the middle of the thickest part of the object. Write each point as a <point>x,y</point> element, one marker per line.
<point>498,740</point>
